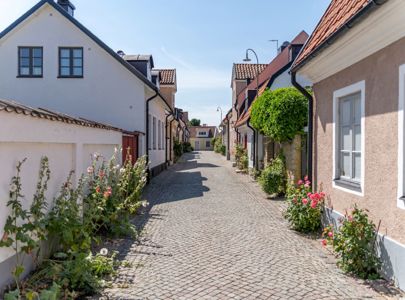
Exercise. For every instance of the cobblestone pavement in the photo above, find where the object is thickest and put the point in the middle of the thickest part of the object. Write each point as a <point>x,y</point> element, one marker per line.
<point>212,234</point>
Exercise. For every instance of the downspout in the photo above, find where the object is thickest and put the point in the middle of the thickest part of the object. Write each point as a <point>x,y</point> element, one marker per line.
<point>254,143</point>
<point>310,121</point>
<point>167,148</point>
<point>171,140</point>
<point>228,154</point>
<point>147,131</point>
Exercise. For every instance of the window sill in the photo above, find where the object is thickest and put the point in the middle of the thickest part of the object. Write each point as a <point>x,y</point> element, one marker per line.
<point>70,77</point>
<point>350,185</point>
<point>29,76</point>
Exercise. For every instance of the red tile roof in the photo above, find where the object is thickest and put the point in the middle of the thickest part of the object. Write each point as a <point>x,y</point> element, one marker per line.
<point>167,76</point>
<point>279,62</point>
<point>336,16</point>
<point>246,71</point>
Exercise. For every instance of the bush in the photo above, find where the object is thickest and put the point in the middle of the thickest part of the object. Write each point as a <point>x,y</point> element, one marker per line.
<point>304,208</point>
<point>178,150</point>
<point>187,147</point>
<point>280,114</point>
<point>354,244</point>
<point>241,157</point>
<point>273,177</point>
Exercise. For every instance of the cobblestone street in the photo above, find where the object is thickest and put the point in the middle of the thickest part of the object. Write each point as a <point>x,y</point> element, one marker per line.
<point>212,234</point>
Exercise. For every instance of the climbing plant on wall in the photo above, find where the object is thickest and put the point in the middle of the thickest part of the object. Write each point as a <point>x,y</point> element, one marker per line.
<point>280,114</point>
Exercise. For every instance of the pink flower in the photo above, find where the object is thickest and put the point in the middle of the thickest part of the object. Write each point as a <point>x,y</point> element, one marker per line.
<point>330,234</point>
<point>90,170</point>
<point>305,201</point>
<point>314,203</point>
<point>324,243</point>
<point>309,194</point>
<point>108,192</point>
<point>300,182</point>
<point>295,200</point>
<point>306,178</point>
<point>98,190</point>
<point>101,173</point>
<point>306,185</point>
<point>350,218</point>
<point>322,194</point>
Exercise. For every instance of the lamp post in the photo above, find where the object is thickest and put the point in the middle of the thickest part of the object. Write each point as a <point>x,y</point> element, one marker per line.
<point>219,109</point>
<point>255,136</point>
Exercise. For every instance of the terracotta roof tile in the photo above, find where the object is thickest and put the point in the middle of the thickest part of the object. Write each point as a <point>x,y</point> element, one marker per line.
<point>167,76</point>
<point>247,71</point>
<point>41,113</point>
<point>279,62</point>
<point>336,16</point>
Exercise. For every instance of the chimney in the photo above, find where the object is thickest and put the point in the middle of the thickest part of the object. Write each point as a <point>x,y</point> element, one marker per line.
<point>283,46</point>
<point>121,53</point>
<point>68,6</point>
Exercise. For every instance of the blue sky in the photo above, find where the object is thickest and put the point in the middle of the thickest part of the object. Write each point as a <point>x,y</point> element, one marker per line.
<point>201,39</point>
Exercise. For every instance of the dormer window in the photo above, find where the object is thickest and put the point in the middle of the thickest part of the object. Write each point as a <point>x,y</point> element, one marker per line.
<point>30,62</point>
<point>70,62</point>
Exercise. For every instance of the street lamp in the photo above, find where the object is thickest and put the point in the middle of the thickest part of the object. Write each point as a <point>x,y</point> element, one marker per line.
<point>256,137</point>
<point>219,109</point>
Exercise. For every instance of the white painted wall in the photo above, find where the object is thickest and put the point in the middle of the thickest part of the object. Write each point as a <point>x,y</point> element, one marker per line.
<point>68,147</point>
<point>108,93</point>
<point>157,156</point>
<point>284,80</point>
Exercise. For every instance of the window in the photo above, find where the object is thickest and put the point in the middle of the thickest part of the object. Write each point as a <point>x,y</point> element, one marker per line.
<point>159,136</point>
<point>30,62</point>
<point>71,62</point>
<point>154,133</point>
<point>348,129</point>
<point>207,144</point>
<point>203,133</point>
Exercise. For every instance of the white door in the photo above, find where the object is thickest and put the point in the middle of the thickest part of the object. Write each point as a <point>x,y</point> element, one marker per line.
<point>197,145</point>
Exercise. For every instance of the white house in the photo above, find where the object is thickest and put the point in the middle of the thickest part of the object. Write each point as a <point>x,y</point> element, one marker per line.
<point>48,59</point>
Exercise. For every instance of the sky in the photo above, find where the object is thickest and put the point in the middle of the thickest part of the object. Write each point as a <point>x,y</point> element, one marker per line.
<point>201,39</point>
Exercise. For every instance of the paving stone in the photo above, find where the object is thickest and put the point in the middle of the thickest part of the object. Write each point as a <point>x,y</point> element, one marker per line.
<point>210,233</point>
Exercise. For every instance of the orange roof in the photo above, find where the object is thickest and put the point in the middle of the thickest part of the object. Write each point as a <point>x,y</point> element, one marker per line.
<point>167,76</point>
<point>243,118</point>
<point>336,16</point>
<point>247,71</point>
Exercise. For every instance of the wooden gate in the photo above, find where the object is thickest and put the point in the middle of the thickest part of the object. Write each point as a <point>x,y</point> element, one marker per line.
<point>130,146</point>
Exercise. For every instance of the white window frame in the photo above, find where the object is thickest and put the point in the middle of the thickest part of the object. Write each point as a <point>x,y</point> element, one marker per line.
<point>401,139</point>
<point>337,95</point>
<point>163,136</point>
<point>150,133</point>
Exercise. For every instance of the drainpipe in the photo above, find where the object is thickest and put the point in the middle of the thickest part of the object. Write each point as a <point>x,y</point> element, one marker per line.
<point>254,144</point>
<point>147,131</point>
<point>167,148</point>
<point>310,121</point>
<point>171,140</point>
<point>228,154</point>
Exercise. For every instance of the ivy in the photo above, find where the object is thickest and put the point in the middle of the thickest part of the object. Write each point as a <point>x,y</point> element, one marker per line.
<point>280,114</point>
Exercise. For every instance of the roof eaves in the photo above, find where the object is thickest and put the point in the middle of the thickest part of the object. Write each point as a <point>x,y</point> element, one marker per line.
<point>356,18</point>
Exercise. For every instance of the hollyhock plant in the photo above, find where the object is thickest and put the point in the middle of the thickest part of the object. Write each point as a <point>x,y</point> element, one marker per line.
<point>304,215</point>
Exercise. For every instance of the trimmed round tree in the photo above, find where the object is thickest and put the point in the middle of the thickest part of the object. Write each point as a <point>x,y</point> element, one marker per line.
<point>280,114</point>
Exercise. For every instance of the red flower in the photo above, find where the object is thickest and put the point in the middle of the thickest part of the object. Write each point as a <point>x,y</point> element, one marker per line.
<point>98,190</point>
<point>108,192</point>
<point>324,242</point>
<point>305,201</point>
<point>314,203</point>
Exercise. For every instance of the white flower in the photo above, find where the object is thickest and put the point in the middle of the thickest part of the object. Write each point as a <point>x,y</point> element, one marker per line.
<point>116,167</point>
<point>115,150</point>
<point>90,170</point>
<point>144,203</point>
<point>122,170</point>
<point>13,188</point>
<point>96,155</point>
<point>104,251</point>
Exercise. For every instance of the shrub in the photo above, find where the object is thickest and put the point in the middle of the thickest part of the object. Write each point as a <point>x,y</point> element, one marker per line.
<point>304,208</point>
<point>354,244</point>
<point>241,157</point>
<point>187,147</point>
<point>273,177</point>
<point>178,149</point>
<point>272,114</point>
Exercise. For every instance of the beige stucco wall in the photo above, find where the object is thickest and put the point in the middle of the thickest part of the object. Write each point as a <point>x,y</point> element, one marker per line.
<point>381,75</point>
<point>202,145</point>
